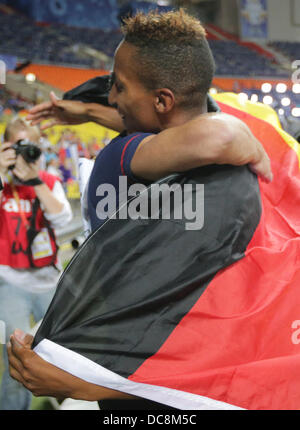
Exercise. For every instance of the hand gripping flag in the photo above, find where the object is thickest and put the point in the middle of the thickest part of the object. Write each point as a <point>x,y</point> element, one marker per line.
<point>203,318</point>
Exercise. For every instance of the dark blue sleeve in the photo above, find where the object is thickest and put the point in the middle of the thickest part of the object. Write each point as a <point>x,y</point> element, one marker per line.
<point>111,163</point>
<point>133,141</point>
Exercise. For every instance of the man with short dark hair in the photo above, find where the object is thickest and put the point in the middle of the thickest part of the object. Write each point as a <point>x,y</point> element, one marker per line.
<point>185,64</point>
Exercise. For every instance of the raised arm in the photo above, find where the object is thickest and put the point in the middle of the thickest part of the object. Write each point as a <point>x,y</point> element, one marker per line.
<point>63,112</point>
<point>209,139</point>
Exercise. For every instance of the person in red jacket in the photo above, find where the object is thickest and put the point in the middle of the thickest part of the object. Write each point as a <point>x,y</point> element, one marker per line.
<point>32,205</point>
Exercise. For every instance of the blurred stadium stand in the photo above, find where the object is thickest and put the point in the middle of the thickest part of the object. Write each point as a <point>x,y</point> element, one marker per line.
<point>233,59</point>
<point>60,45</point>
<point>290,49</point>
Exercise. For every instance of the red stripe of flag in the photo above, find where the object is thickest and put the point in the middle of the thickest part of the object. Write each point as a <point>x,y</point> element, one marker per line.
<point>123,153</point>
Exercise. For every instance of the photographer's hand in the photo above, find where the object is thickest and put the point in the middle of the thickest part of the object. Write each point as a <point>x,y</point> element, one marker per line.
<point>7,157</point>
<point>25,171</point>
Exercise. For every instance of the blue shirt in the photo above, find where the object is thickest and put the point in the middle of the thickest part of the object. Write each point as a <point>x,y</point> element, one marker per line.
<point>112,163</point>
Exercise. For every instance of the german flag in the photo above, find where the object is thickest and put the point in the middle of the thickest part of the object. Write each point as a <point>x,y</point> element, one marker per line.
<point>193,319</point>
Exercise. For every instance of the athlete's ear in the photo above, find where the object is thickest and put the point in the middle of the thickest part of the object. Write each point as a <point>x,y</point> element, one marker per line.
<point>164,100</point>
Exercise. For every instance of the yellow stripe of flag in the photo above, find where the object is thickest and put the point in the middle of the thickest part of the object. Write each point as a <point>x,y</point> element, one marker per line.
<point>261,111</point>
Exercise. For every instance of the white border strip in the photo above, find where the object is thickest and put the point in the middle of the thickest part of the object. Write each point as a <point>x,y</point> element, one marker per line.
<point>89,371</point>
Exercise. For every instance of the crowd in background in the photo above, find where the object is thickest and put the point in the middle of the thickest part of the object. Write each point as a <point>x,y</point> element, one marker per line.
<point>59,158</point>
<point>12,103</point>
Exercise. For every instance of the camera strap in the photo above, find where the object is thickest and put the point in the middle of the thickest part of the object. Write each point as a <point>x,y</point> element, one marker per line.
<point>17,199</point>
<point>32,182</point>
<point>32,232</point>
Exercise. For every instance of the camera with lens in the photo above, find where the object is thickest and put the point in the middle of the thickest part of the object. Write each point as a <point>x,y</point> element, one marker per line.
<point>28,150</point>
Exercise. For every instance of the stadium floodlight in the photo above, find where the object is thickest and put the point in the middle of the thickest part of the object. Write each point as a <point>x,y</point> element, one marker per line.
<point>268,100</point>
<point>243,97</point>
<point>286,101</point>
<point>296,88</point>
<point>296,112</point>
<point>281,111</point>
<point>213,91</point>
<point>30,77</point>
<point>266,87</point>
<point>254,98</point>
<point>281,88</point>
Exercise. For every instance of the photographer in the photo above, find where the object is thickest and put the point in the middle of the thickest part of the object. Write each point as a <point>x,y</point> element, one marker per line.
<point>32,204</point>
